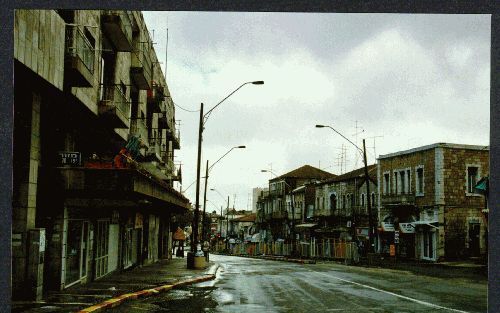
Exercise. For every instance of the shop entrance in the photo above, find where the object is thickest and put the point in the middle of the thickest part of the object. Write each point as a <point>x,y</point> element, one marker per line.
<point>76,252</point>
<point>101,255</point>
<point>429,244</point>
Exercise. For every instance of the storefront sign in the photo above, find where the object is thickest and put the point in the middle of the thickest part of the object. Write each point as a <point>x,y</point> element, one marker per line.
<point>396,236</point>
<point>362,231</point>
<point>407,228</point>
<point>138,220</point>
<point>387,226</point>
<point>70,158</point>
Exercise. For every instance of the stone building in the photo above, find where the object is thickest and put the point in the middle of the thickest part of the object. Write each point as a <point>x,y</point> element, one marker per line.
<point>277,215</point>
<point>94,143</point>
<point>428,206</point>
<point>341,209</point>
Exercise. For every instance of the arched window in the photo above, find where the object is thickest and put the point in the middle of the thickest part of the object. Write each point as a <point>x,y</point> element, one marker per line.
<point>363,200</point>
<point>333,203</point>
<point>373,199</point>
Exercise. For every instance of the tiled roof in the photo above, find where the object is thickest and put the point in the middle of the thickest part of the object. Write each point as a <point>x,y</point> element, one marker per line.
<point>357,173</point>
<point>306,171</point>
<point>246,218</point>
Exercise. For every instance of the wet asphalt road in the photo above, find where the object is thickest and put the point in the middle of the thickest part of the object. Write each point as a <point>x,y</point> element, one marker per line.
<point>252,285</point>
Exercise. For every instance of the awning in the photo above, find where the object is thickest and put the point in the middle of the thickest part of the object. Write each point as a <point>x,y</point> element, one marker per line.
<point>482,186</point>
<point>426,223</point>
<point>306,225</point>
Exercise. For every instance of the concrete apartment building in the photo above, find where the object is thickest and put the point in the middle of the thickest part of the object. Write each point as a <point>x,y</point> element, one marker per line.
<point>427,197</point>
<point>94,143</point>
<point>341,210</point>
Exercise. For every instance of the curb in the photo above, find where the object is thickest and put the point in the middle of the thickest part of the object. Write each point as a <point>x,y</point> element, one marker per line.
<point>275,258</point>
<point>113,302</point>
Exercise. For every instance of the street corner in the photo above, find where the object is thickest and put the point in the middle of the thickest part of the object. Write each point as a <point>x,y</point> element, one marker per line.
<point>212,270</point>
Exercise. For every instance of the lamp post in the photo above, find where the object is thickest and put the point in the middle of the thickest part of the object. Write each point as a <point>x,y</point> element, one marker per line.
<point>367,181</point>
<point>203,120</point>
<point>292,230</point>
<point>205,190</point>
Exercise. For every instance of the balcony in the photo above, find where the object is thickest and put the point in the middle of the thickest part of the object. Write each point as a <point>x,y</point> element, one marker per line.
<point>140,69</point>
<point>154,151</point>
<point>398,199</point>
<point>279,214</point>
<point>163,120</point>
<point>155,97</point>
<point>139,129</point>
<point>79,58</point>
<point>117,27</point>
<point>174,136</point>
<point>114,107</point>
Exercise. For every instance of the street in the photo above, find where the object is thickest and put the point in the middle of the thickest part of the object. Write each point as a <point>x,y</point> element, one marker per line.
<point>251,285</point>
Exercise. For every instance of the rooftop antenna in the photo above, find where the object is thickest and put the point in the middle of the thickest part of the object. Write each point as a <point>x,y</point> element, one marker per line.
<point>166,53</point>
<point>356,141</point>
<point>374,150</point>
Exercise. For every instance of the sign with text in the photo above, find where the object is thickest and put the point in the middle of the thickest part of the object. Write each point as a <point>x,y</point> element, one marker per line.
<point>387,226</point>
<point>392,250</point>
<point>70,158</point>
<point>407,228</point>
<point>396,236</point>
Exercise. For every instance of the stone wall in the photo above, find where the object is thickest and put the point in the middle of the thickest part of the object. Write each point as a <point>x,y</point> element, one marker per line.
<point>39,43</point>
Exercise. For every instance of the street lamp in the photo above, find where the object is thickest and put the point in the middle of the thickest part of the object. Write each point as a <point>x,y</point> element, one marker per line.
<point>205,191</point>
<point>292,207</point>
<point>367,180</point>
<point>203,120</point>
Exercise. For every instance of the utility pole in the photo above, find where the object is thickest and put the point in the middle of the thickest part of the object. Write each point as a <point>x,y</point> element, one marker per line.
<point>227,224</point>
<point>194,241</point>
<point>204,205</point>
<point>369,206</point>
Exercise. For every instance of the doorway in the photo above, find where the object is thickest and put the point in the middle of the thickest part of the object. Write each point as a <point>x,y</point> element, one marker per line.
<point>76,252</point>
<point>474,231</point>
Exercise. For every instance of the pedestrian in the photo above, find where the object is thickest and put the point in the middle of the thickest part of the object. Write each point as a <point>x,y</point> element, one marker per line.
<point>206,249</point>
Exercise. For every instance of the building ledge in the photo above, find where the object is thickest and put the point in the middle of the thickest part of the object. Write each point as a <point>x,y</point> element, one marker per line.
<point>118,183</point>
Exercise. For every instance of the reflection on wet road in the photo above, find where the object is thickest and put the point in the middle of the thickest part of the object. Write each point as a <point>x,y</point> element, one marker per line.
<point>251,285</point>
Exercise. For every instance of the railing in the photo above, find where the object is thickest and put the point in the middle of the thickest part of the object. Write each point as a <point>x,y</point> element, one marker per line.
<point>77,45</point>
<point>314,249</point>
<point>397,198</point>
<point>140,129</point>
<point>115,96</point>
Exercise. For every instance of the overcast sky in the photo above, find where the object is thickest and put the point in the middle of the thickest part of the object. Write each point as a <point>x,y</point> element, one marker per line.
<point>411,79</point>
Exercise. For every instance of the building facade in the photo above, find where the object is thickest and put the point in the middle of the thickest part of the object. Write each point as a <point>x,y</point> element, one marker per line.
<point>341,210</point>
<point>94,143</point>
<point>277,215</point>
<point>428,207</point>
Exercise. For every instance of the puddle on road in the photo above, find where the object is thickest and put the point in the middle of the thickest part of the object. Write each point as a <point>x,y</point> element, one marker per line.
<point>188,299</point>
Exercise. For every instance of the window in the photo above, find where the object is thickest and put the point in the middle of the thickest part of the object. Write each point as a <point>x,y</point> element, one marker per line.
<point>402,181</point>
<point>333,203</point>
<point>472,175</point>
<point>362,199</point>
<point>419,181</point>
<point>343,201</point>
<point>352,201</point>
<point>373,200</point>
<point>396,187</point>
<point>408,179</point>
<point>387,186</point>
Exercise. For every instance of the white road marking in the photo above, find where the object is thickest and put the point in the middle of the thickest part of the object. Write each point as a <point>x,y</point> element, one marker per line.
<point>397,295</point>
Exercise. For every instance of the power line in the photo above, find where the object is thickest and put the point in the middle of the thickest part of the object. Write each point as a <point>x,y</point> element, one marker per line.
<point>191,111</point>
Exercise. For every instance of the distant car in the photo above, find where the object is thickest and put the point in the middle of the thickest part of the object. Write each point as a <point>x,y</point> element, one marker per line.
<point>231,240</point>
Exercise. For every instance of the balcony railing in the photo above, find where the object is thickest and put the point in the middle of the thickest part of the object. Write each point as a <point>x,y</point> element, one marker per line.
<point>155,97</point>
<point>80,57</point>
<point>140,129</point>
<point>118,28</point>
<point>114,106</point>
<point>174,136</point>
<point>155,148</point>
<point>404,198</point>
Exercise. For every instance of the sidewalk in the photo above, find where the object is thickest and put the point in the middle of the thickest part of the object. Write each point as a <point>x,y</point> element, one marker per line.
<point>76,298</point>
